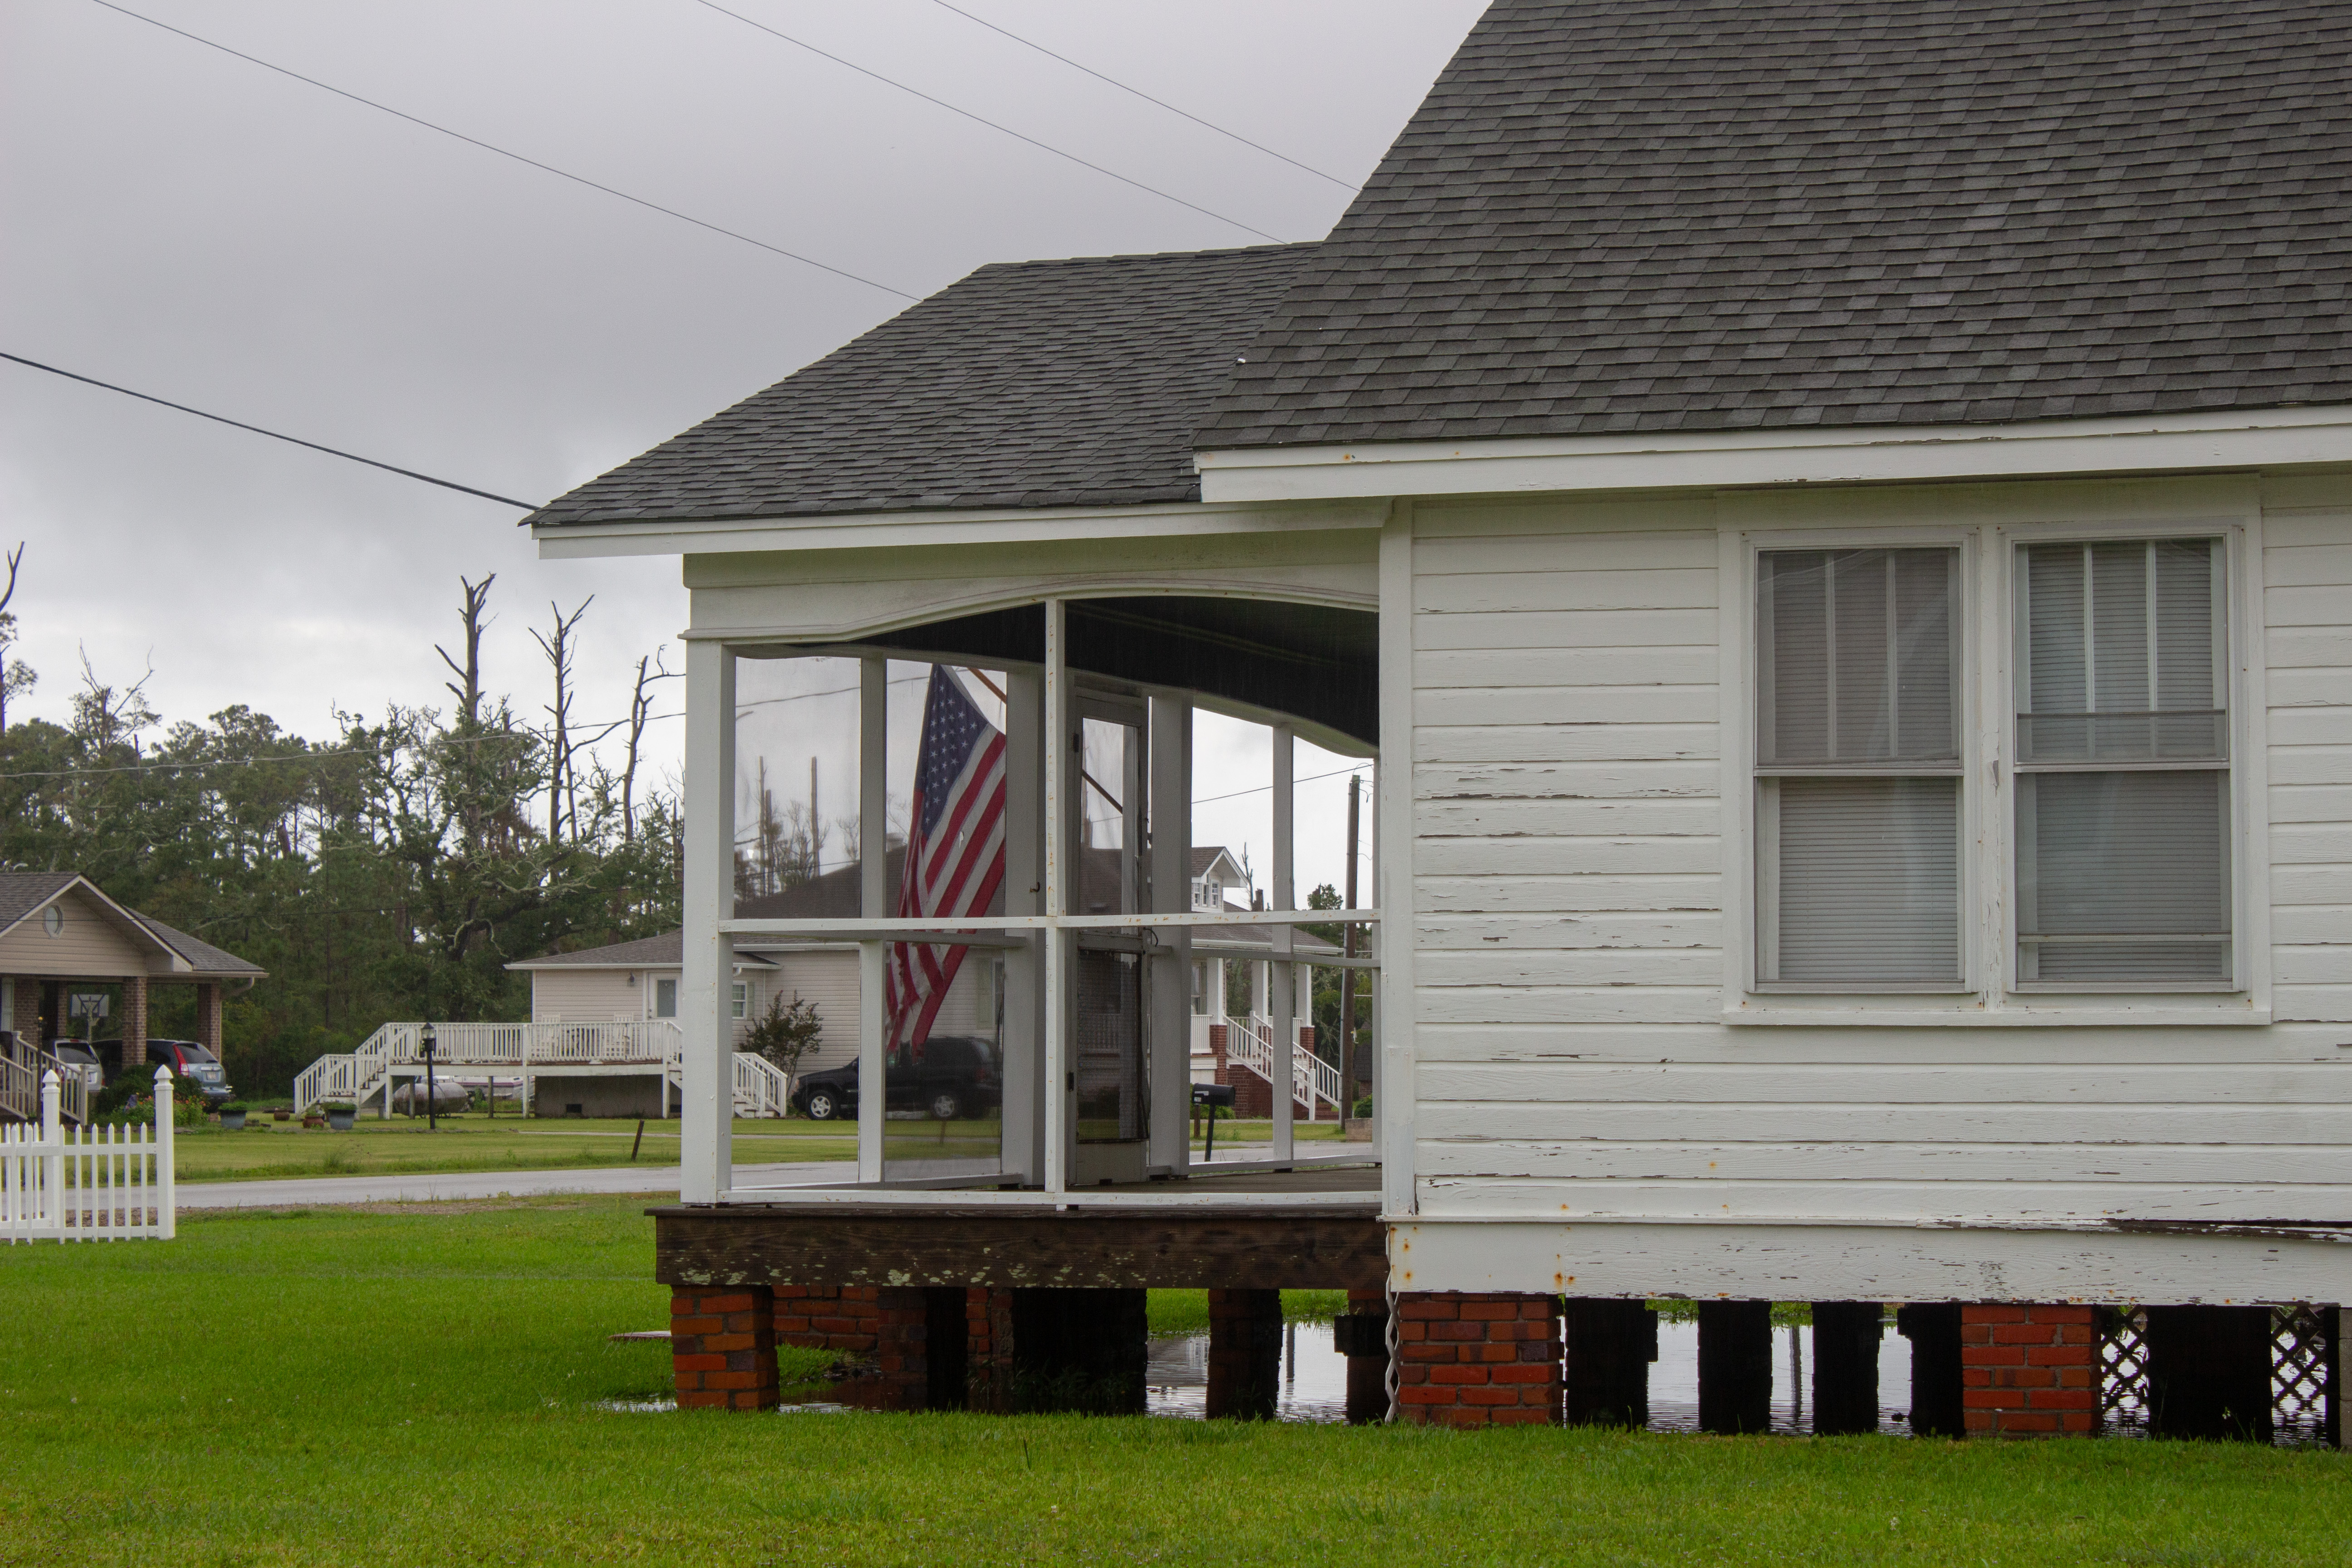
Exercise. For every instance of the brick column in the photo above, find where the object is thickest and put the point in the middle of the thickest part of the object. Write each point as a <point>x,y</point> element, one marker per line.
<point>1478,1359</point>
<point>28,1012</point>
<point>1244,1353</point>
<point>988,1350</point>
<point>2030,1371</point>
<point>208,1017</point>
<point>134,1018</point>
<point>825,1318</point>
<point>1362,1336</point>
<point>722,1347</point>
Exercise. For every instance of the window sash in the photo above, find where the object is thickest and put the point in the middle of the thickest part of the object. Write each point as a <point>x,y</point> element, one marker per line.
<point>2122,675</point>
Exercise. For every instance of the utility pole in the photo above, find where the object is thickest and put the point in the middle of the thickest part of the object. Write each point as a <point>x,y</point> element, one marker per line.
<point>1348,1064</point>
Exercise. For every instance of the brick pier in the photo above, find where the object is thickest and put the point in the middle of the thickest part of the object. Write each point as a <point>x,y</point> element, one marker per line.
<point>1478,1360</point>
<point>2029,1371</point>
<point>722,1347</point>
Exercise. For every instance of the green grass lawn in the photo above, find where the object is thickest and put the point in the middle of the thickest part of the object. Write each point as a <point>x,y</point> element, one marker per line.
<point>267,1150</point>
<point>418,1383</point>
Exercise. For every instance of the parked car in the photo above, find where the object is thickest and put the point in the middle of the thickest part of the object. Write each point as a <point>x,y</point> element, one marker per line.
<point>186,1060</point>
<point>957,1076</point>
<point>77,1056</point>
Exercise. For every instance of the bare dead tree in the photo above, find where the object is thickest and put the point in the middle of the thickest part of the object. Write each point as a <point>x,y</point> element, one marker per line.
<point>563,776</point>
<point>469,696</point>
<point>641,707</point>
<point>17,676</point>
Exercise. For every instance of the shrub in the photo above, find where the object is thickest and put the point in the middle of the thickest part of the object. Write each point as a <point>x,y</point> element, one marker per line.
<point>1363,1109</point>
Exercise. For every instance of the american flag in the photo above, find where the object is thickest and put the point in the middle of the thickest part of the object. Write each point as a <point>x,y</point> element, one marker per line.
<point>955,852</point>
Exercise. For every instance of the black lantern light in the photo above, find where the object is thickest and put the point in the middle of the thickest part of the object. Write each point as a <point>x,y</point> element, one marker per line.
<point>427,1041</point>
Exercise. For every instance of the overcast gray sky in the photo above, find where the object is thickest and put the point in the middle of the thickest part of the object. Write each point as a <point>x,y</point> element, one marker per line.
<point>193,225</point>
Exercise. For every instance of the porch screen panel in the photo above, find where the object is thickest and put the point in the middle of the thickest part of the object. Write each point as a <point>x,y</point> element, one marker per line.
<point>2123,789</point>
<point>1858,796</point>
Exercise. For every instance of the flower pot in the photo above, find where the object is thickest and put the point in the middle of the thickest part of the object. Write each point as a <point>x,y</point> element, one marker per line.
<point>339,1121</point>
<point>231,1120</point>
<point>280,1115</point>
<point>314,1122</point>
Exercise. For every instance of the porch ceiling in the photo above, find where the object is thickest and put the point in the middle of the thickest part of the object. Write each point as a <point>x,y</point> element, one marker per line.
<point>1313,662</point>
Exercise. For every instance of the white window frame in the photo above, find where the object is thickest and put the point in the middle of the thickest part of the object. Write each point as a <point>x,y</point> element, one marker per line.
<point>1988,993</point>
<point>739,1000</point>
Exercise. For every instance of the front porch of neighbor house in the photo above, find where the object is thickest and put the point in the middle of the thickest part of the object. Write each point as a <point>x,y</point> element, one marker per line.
<point>60,937</point>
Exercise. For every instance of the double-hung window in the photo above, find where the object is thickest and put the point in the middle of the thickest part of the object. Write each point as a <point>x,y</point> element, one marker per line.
<point>1858,793</point>
<point>2123,764</point>
<point>1908,840</point>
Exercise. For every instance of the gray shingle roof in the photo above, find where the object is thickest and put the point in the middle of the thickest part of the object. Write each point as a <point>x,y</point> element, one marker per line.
<point>202,955</point>
<point>1043,383</point>
<point>668,951</point>
<point>22,892</point>
<point>1686,214</point>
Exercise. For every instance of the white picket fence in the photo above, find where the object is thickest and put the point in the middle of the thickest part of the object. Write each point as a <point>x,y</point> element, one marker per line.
<point>88,1183</point>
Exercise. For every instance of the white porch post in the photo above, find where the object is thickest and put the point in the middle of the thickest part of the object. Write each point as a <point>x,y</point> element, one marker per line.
<point>707,1069</point>
<point>874,903</point>
<point>1060,1085</point>
<point>1171,796</point>
<point>1025,884</point>
<point>1392,1018</point>
<point>1282,974</point>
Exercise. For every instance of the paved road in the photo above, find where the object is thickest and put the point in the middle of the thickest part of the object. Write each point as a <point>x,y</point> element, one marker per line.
<point>487,1184</point>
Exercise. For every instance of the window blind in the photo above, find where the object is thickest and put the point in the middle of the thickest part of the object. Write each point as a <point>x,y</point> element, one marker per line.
<point>1857,757</point>
<point>2122,790</point>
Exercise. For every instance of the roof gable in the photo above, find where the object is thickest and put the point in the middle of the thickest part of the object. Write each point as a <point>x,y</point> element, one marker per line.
<point>1614,216</point>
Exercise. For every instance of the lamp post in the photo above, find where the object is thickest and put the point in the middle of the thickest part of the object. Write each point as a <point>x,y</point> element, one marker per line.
<point>432,1100</point>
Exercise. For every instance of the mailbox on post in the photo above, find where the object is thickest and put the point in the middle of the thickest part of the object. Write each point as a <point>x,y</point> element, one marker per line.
<point>1209,1097</point>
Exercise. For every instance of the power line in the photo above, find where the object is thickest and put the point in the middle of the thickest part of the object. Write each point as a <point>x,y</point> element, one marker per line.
<point>274,434</point>
<point>501,152</point>
<point>1139,92</point>
<point>1261,789</point>
<point>993,125</point>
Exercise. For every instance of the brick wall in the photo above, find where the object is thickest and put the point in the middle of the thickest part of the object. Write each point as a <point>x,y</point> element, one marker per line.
<point>988,1350</point>
<point>826,1317</point>
<point>1478,1360</point>
<point>722,1347</point>
<point>2029,1371</point>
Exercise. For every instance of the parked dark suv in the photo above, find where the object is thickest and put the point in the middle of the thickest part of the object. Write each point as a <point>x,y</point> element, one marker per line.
<point>189,1062</point>
<point>957,1076</point>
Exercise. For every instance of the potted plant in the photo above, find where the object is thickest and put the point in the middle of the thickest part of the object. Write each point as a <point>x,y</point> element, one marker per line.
<point>232,1116</point>
<point>280,1112</point>
<point>340,1114</point>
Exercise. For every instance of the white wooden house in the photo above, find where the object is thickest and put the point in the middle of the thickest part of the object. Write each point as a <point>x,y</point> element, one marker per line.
<point>1835,526</point>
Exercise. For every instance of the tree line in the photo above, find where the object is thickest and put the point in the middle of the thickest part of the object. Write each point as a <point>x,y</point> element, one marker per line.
<point>389,870</point>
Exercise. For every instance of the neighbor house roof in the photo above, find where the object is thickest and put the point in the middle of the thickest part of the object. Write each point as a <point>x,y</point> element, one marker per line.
<point>665,951</point>
<point>1042,383</point>
<point>1616,216</point>
<point>23,894</point>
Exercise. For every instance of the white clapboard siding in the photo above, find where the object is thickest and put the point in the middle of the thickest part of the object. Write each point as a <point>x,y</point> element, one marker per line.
<point>1647,780</point>
<point>1543,669</point>
<point>1570,1059</point>
<point>2020,1202</point>
<point>1485,705</point>
<point>1567,932</point>
<point>1946,1124</point>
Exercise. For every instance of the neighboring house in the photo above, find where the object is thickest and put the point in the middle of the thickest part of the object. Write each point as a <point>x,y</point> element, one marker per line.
<point>1835,521</point>
<point>60,936</point>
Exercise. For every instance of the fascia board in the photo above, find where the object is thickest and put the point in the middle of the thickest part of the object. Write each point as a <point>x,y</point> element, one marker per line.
<point>867,530</point>
<point>2267,439</point>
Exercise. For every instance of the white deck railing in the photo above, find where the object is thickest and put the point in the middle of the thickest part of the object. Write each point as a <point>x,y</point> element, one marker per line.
<point>1312,1079</point>
<point>20,1084</point>
<point>88,1184</point>
<point>366,1074</point>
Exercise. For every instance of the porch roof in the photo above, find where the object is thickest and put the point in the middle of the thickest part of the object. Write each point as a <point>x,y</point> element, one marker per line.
<point>1038,383</point>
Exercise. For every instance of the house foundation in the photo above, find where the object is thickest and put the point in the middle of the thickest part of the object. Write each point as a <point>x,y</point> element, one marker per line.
<point>1846,1337</point>
<point>2029,1370</point>
<point>722,1348</point>
<point>1244,1353</point>
<point>1478,1359</point>
<point>1611,1345</point>
<point>1735,1366</point>
<point>1362,1336</point>
<point>2209,1373</point>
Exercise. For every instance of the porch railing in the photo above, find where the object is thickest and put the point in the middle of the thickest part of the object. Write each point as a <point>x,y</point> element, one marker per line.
<point>366,1074</point>
<point>1311,1077</point>
<point>21,1070</point>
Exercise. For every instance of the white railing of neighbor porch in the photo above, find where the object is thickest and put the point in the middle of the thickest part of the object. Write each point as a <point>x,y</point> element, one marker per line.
<point>21,1068</point>
<point>760,1089</point>
<point>1311,1077</point>
<point>88,1183</point>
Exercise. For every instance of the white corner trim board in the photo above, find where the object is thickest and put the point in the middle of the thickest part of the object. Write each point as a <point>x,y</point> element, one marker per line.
<point>2271,438</point>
